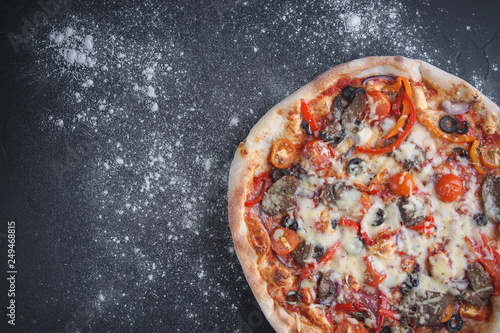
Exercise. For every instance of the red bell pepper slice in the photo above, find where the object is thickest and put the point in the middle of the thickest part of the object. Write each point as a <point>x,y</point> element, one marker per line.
<point>401,81</point>
<point>304,108</point>
<point>396,106</point>
<point>349,223</point>
<point>330,254</point>
<point>344,307</point>
<point>489,258</point>
<point>360,307</point>
<point>389,313</point>
<point>384,311</point>
<point>401,121</point>
<point>367,239</point>
<point>261,184</point>
<point>374,277</point>
<point>400,140</point>
<point>382,305</point>
<point>425,227</point>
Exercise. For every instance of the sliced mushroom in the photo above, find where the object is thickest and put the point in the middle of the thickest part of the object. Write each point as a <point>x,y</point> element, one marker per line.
<point>327,289</point>
<point>491,196</point>
<point>351,116</point>
<point>412,210</point>
<point>334,133</point>
<point>337,108</point>
<point>331,193</point>
<point>480,282</point>
<point>304,253</point>
<point>281,196</point>
<point>411,155</point>
<point>425,308</point>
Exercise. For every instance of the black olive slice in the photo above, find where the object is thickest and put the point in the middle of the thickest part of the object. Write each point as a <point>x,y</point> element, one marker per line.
<point>306,127</point>
<point>356,166</point>
<point>347,93</point>
<point>465,129</point>
<point>455,323</point>
<point>448,124</point>
<point>405,289</point>
<point>480,219</point>
<point>318,251</point>
<point>334,223</point>
<point>379,217</point>
<point>292,297</point>
<point>386,329</point>
<point>413,280</point>
<point>459,151</point>
<point>350,92</point>
<point>290,223</point>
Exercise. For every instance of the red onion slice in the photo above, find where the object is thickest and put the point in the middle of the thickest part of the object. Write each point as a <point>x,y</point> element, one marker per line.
<point>282,260</point>
<point>327,301</point>
<point>455,108</point>
<point>263,219</point>
<point>369,302</point>
<point>390,78</point>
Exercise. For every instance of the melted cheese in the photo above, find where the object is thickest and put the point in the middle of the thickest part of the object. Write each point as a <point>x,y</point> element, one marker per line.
<point>391,222</point>
<point>440,267</point>
<point>444,271</point>
<point>364,136</point>
<point>349,200</point>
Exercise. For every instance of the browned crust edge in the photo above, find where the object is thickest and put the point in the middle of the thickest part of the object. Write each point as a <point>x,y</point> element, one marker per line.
<point>251,157</point>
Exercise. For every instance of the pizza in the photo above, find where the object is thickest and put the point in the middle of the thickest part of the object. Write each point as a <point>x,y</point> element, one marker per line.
<point>369,201</point>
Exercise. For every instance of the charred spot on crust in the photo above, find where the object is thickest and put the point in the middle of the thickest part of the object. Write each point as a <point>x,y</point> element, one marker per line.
<point>280,276</point>
<point>242,149</point>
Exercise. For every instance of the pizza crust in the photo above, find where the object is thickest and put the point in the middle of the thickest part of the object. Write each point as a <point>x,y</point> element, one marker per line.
<point>283,121</point>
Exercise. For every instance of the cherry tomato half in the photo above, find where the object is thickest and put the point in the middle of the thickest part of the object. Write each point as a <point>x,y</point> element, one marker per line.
<point>473,312</point>
<point>448,312</point>
<point>318,154</point>
<point>284,241</point>
<point>346,326</point>
<point>283,153</point>
<point>402,183</point>
<point>373,277</point>
<point>448,188</point>
<point>490,156</point>
<point>377,104</point>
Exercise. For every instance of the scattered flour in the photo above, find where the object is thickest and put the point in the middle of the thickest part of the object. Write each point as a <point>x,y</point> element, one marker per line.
<point>354,22</point>
<point>154,107</point>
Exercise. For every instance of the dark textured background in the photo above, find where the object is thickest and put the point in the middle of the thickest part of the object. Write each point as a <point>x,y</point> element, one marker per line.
<point>120,203</point>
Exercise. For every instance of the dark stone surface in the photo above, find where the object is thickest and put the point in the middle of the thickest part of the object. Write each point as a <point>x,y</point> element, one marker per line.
<point>114,158</point>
